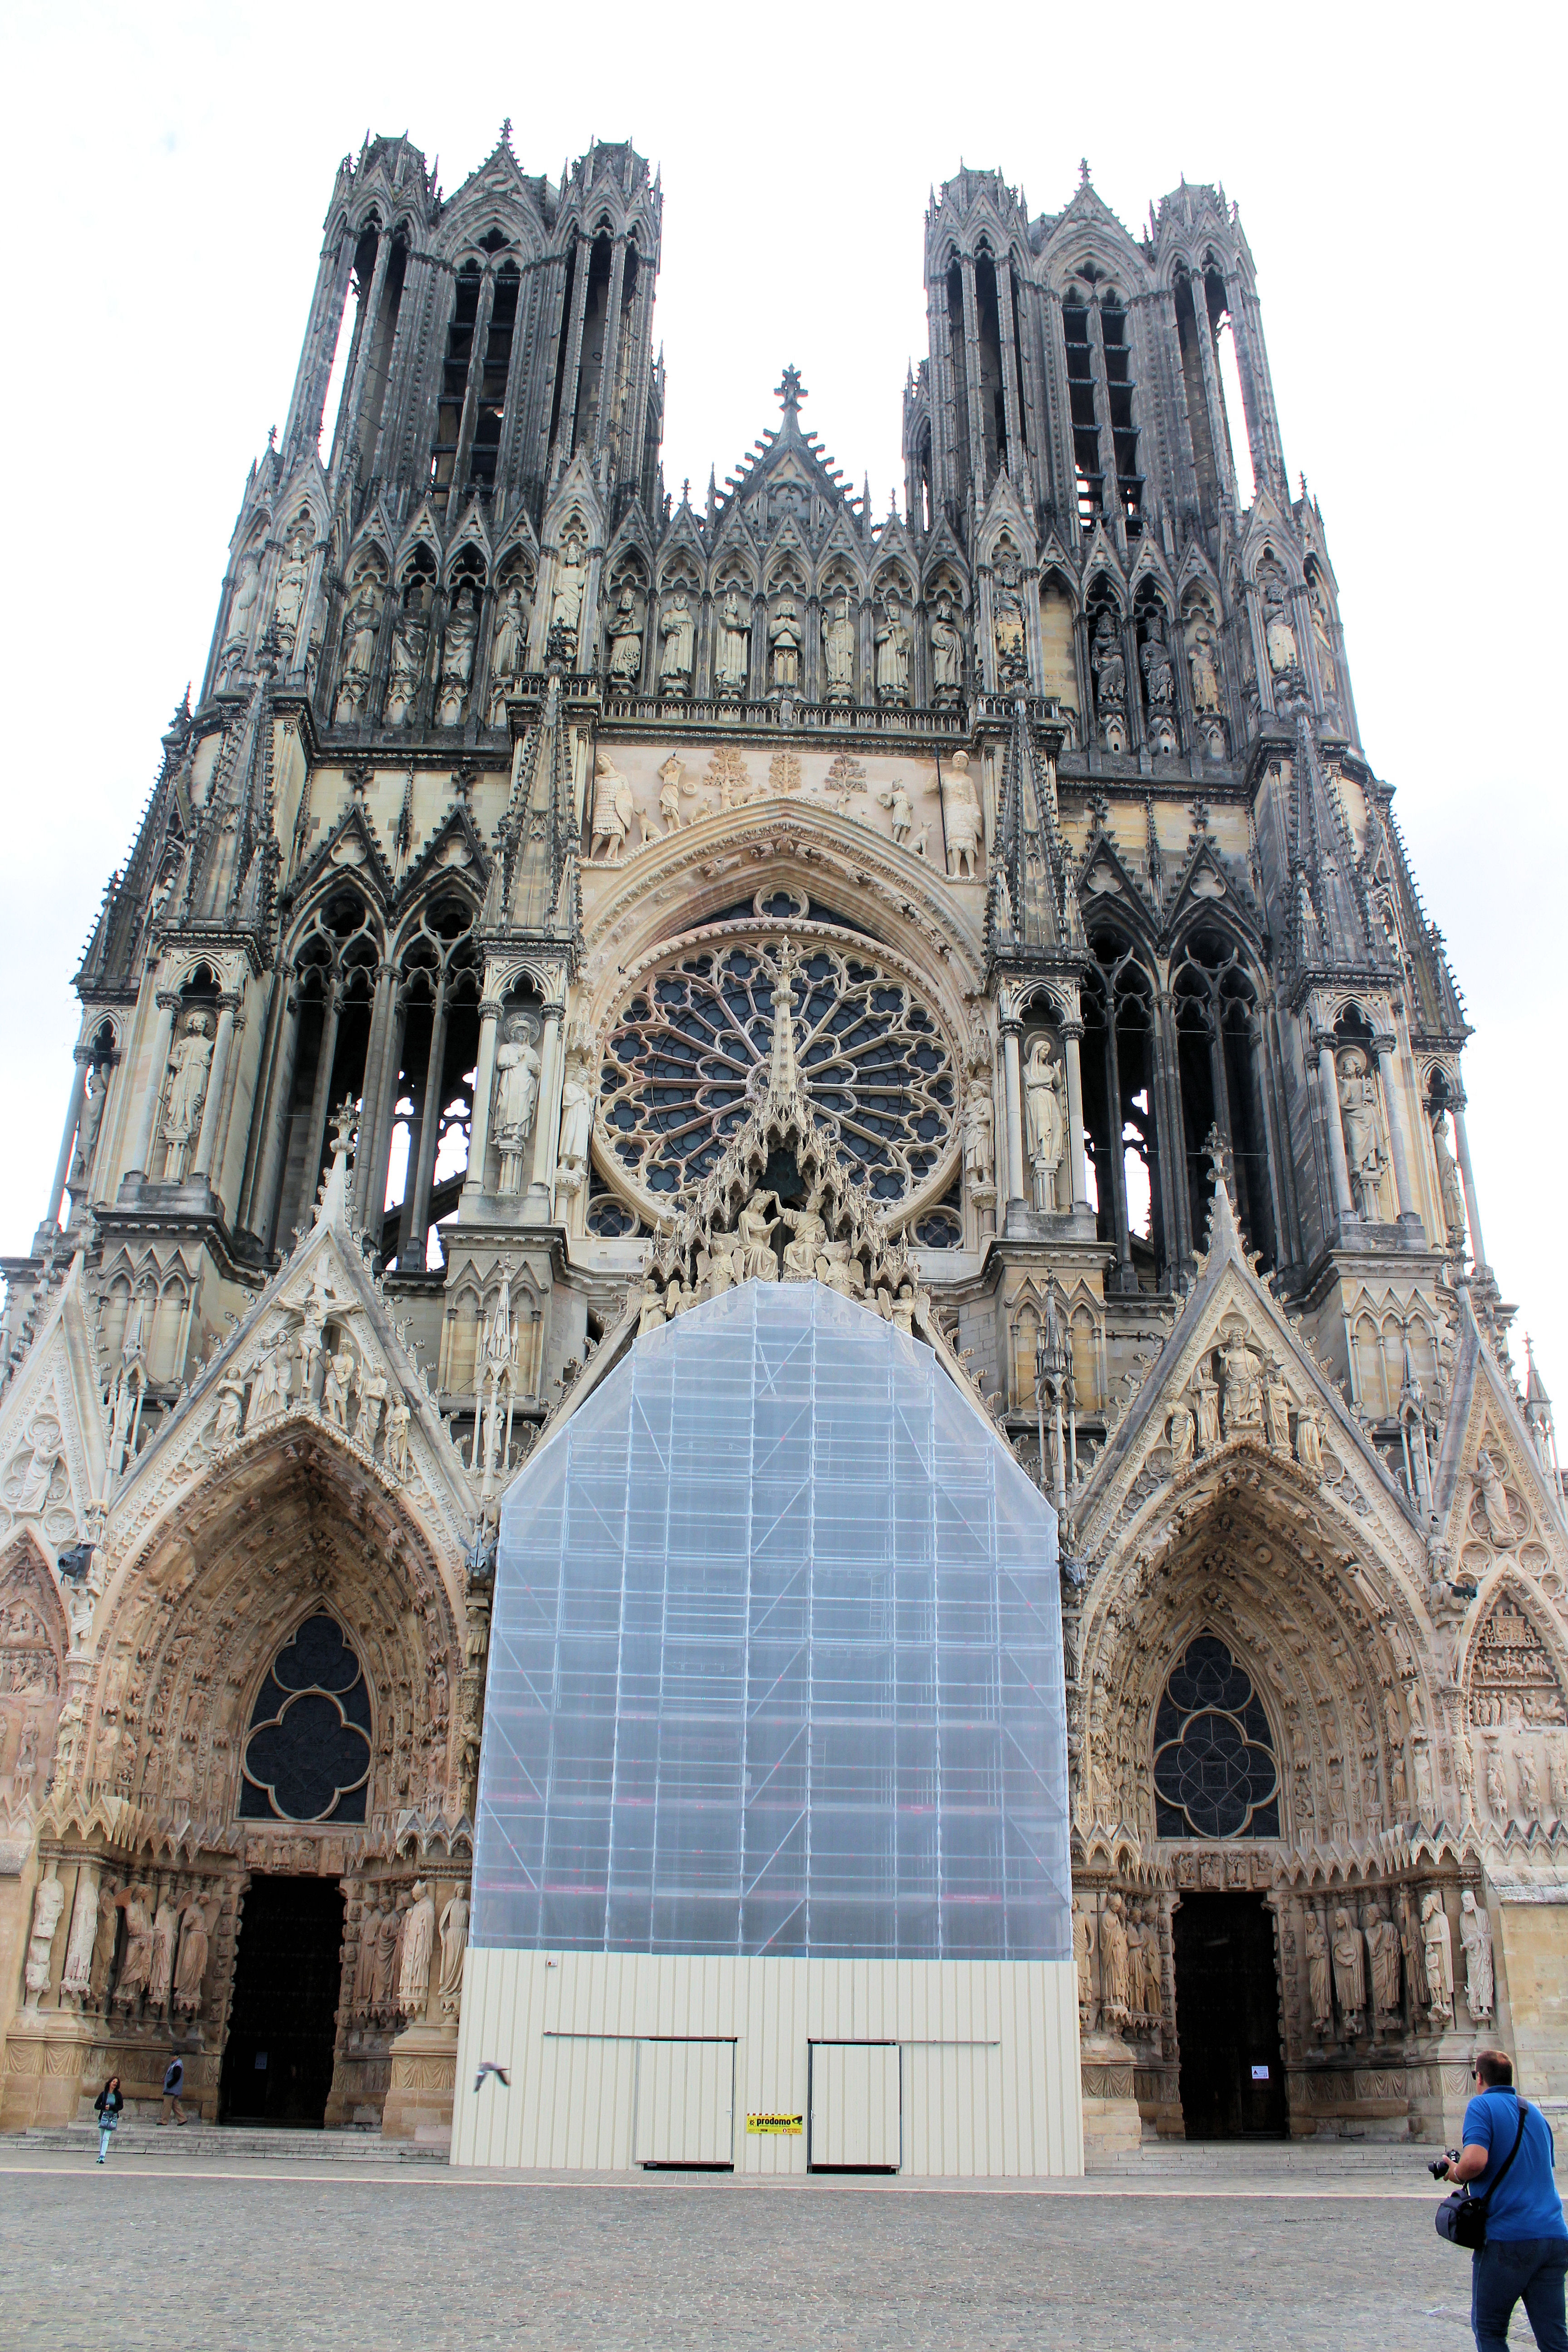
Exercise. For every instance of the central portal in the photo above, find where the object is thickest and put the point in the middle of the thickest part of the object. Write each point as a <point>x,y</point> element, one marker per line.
<point>1227,2019</point>
<point>278,2067</point>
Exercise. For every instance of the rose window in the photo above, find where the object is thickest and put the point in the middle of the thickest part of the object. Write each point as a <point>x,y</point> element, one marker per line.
<point>307,1754</point>
<point>690,1052</point>
<point>1213,1755</point>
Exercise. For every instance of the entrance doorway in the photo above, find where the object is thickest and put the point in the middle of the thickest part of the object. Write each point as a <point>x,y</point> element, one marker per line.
<point>1227,2019</point>
<point>278,2067</point>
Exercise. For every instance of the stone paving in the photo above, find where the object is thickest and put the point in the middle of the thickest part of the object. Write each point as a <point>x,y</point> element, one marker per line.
<point>248,2255</point>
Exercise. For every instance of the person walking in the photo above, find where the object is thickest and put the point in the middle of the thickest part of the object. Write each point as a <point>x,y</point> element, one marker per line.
<point>1525,2257</point>
<point>174,2084</point>
<point>106,2107</point>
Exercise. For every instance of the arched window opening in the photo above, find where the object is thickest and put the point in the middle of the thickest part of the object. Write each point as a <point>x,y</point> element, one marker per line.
<point>486,453</point>
<point>923,476</point>
<point>455,376</point>
<point>1123,425</point>
<point>334,984</point>
<point>308,1752</point>
<point>594,322</point>
<point>1215,1773</point>
<point>563,340</point>
<point>1121,1124</point>
<point>378,357</point>
<point>1222,327</point>
<point>440,982</point>
<point>1206,457</point>
<point>625,353</point>
<point>993,401</point>
<point>958,356</point>
<point>347,344</point>
<point>1059,677</point>
<point>1217,1060</point>
<point>1088,469</point>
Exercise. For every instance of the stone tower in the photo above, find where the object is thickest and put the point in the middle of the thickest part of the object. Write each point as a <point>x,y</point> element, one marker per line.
<point>428,1052</point>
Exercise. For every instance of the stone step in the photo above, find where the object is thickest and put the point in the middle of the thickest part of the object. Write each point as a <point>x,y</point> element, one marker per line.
<point>218,2142</point>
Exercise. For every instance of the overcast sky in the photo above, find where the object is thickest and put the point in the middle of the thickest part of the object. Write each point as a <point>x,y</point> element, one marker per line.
<point>171,167</point>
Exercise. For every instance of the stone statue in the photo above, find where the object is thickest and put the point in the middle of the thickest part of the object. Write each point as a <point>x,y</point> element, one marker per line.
<point>189,1062</point>
<point>1383,1948</point>
<point>1154,656</point>
<point>398,1458</point>
<point>269,1395</point>
<point>453,1943</point>
<point>1113,1960</point>
<point>961,819</point>
<point>1109,666</point>
<point>810,1233</point>
<point>1350,1971</point>
<point>784,642</point>
<point>1045,1120</point>
<point>1476,1934</point>
<point>1528,1787</point>
<point>895,797</point>
<point>457,659</point>
<point>1203,666</point>
<point>1495,1503</point>
<point>1205,1398</point>
<point>1451,1189</point>
<point>230,1408</point>
<point>419,1938</point>
<point>566,604</point>
<point>388,1933</point>
<point>1495,1785</point>
<point>1279,636</point>
<point>1319,620</point>
<point>615,806</point>
<point>374,1391</point>
<point>1242,1373</point>
<point>508,649</point>
<point>1276,1408</point>
<point>946,657</point>
<point>231,661</point>
<point>1007,629</point>
<point>290,601</point>
<point>338,1386</point>
<point>76,1976</point>
<point>1557,1781</point>
<point>624,630</point>
<point>892,649</point>
<point>192,1964</point>
<point>1181,1434</point>
<point>1310,1438</point>
<point>48,1902</point>
<point>136,1965</point>
<point>1083,1951</point>
<point>409,635</point>
<point>731,652</point>
<point>360,624</point>
<point>516,1095</point>
<point>979,1156</point>
<point>161,1971</point>
<point>107,1936</point>
<point>360,1999</point>
<point>838,648</point>
<point>1437,1952</point>
<point>1362,1120</point>
<point>670,794</point>
<point>753,1228</point>
<point>577,1123</point>
<point>675,663</point>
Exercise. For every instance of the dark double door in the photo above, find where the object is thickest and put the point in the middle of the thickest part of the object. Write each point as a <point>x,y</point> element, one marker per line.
<point>1227,2019</point>
<point>277,2066</point>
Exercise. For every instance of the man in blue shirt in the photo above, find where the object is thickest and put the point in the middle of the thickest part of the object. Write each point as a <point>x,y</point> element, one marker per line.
<point>1526,2251</point>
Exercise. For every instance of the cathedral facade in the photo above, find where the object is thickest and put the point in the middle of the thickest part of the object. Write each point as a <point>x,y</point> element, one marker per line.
<point>428,1055</point>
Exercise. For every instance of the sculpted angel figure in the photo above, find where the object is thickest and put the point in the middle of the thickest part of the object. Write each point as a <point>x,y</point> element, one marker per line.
<point>1495,1504</point>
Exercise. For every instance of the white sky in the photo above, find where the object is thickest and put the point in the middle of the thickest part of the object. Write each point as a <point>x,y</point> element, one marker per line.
<point>171,166</point>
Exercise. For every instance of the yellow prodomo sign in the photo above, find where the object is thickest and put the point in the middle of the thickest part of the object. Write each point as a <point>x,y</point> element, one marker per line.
<point>776,2123</point>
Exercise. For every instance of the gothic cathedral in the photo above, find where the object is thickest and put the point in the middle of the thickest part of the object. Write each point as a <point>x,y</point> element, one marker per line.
<point>563,901</point>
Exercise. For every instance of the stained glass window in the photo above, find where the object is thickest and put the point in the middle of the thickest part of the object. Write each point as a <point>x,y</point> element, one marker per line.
<point>308,1752</point>
<point>1213,1752</point>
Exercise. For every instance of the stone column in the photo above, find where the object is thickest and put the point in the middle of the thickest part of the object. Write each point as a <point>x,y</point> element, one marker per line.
<point>1328,1087</point>
<point>153,1094</point>
<point>218,1073</point>
<point>1013,1085</point>
<point>1468,1178</point>
<point>375,1107</point>
<point>1393,1102</point>
<point>67,1142</point>
<point>416,1212</point>
<point>315,1142</point>
<point>547,1113</point>
<point>484,1086</point>
<point>1071,1033</point>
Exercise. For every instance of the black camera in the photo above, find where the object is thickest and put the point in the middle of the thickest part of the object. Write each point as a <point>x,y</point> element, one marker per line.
<point>1439,2163</point>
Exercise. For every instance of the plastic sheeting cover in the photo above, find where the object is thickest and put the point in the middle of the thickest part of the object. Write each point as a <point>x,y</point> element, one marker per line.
<point>775,1659</point>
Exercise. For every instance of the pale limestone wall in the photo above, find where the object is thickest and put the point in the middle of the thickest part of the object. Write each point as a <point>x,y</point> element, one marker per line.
<point>987,2065</point>
<point>1535,1958</point>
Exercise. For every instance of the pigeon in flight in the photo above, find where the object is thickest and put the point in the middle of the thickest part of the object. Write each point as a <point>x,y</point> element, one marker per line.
<point>489,2066</point>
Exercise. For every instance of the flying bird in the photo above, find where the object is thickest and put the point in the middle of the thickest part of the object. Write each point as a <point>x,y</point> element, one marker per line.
<point>489,2066</point>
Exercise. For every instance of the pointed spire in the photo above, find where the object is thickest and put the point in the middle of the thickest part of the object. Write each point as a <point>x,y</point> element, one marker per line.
<point>334,1209</point>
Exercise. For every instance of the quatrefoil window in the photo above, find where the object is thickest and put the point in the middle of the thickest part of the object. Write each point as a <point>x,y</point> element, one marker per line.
<point>1214,1753</point>
<point>684,1061</point>
<point>308,1752</point>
